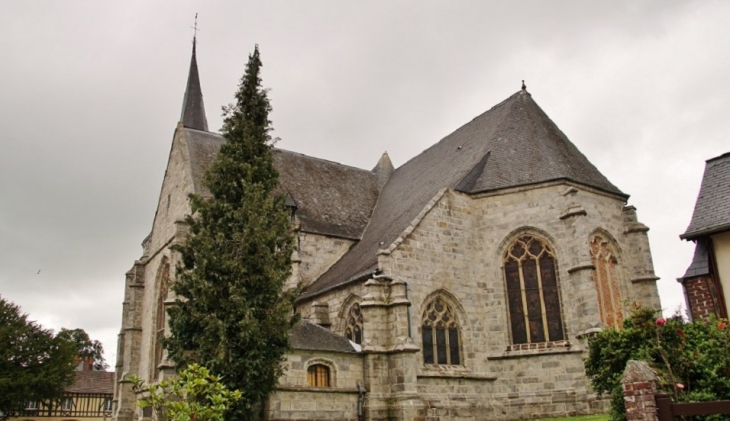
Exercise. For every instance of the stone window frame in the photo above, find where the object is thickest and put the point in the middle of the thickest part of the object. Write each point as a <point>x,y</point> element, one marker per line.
<point>342,316</point>
<point>616,285</point>
<point>354,323</point>
<point>322,362</point>
<point>548,246</point>
<point>162,288</point>
<point>457,318</point>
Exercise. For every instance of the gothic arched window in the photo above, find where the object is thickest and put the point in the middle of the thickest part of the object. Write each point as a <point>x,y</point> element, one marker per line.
<point>606,279</point>
<point>353,331</point>
<point>160,321</point>
<point>530,270</point>
<point>318,375</point>
<point>440,334</point>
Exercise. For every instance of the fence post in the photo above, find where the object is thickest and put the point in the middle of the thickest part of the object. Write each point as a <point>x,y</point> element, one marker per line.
<point>639,387</point>
<point>664,410</point>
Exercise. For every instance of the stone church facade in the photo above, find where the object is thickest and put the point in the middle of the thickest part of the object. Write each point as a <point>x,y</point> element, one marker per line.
<point>461,285</point>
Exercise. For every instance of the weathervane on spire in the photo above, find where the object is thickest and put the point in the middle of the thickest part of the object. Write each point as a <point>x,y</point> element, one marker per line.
<point>195,28</point>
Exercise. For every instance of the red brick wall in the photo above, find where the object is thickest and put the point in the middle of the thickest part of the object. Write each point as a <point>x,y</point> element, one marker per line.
<point>701,297</point>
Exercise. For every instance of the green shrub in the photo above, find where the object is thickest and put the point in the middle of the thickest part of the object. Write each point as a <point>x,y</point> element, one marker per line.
<point>691,359</point>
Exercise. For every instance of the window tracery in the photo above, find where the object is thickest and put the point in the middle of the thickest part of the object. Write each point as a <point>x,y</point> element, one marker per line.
<point>605,277</point>
<point>530,269</point>
<point>440,334</point>
<point>353,330</point>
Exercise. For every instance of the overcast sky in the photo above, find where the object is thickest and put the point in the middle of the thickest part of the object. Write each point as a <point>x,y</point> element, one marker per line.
<point>90,93</point>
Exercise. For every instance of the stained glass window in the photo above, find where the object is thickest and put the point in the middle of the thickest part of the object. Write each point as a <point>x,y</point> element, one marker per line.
<point>440,334</point>
<point>530,271</point>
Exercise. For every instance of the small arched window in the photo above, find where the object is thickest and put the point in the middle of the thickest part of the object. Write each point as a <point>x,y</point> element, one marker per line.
<point>605,277</point>
<point>318,375</point>
<point>353,331</point>
<point>440,334</point>
<point>530,270</point>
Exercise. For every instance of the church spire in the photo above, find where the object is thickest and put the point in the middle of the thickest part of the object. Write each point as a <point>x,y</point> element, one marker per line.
<point>193,111</point>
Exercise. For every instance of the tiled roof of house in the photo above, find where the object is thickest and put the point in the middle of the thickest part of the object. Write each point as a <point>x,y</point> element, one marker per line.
<point>513,144</point>
<point>306,335</point>
<point>89,381</point>
<point>331,198</point>
<point>712,209</point>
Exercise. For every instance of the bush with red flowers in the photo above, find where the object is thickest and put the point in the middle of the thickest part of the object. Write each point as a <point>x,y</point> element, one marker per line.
<point>692,359</point>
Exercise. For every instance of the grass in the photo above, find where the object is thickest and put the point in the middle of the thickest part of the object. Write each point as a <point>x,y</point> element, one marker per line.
<point>600,417</point>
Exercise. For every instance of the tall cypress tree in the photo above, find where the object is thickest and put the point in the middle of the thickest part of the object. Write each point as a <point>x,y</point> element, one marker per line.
<point>231,314</point>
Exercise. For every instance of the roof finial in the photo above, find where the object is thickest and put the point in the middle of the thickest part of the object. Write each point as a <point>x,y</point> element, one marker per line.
<point>195,30</point>
<point>524,87</point>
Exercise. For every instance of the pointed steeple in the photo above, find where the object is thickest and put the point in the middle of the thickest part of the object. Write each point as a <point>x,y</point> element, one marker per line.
<point>193,110</point>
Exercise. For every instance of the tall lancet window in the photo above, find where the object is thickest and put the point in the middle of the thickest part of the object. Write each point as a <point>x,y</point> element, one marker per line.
<point>440,334</point>
<point>353,331</point>
<point>530,270</point>
<point>605,277</point>
<point>160,319</point>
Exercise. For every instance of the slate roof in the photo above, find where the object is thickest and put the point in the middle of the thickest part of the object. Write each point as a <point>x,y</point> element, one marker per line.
<point>309,336</point>
<point>513,144</point>
<point>193,111</point>
<point>700,265</point>
<point>712,209</point>
<point>331,198</point>
<point>93,382</point>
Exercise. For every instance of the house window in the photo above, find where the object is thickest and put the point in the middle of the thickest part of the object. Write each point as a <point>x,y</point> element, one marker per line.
<point>530,270</point>
<point>108,405</point>
<point>160,322</point>
<point>353,331</point>
<point>31,405</point>
<point>67,404</point>
<point>318,375</point>
<point>605,277</point>
<point>440,334</point>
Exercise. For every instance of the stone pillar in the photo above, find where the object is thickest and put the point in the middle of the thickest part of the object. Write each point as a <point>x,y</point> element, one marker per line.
<point>390,363</point>
<point>640,267</point>
<point>639,385</point>
<point>130,339</point>
<point>579,289</point>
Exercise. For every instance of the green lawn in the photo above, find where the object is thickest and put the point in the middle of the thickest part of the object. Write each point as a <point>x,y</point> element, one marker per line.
<point>601,417</point>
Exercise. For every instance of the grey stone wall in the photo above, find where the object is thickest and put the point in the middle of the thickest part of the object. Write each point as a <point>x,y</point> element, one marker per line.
<point>455,249</point>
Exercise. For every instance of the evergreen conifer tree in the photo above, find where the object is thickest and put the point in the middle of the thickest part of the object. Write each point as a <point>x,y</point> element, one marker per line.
<point>231,314</point>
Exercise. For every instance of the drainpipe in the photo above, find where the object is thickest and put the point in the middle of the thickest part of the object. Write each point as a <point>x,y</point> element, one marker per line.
<point>360,401</point>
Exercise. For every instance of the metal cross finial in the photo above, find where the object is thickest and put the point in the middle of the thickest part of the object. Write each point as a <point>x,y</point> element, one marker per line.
<point>195,28</point>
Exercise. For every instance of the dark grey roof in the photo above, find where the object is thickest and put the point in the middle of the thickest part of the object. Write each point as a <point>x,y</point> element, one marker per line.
<point>92,382</point>
<point>305,335</point>
<point>700,265</point>
<point>331,198</point>
<point>193,111</point>
<point>712,209</point>
<point>515,143</point>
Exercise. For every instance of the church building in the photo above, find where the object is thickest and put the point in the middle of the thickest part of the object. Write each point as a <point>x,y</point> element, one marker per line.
<point>462,285</point>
